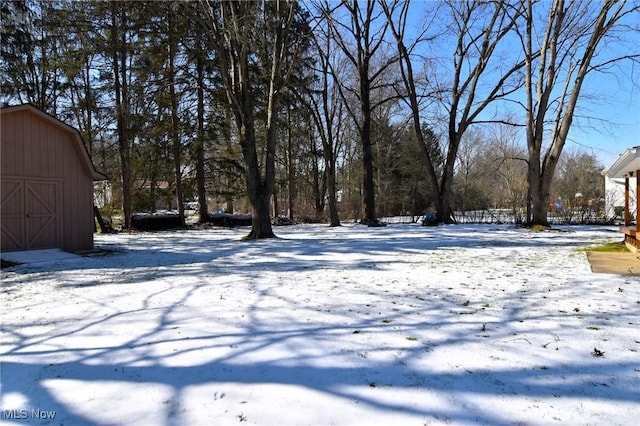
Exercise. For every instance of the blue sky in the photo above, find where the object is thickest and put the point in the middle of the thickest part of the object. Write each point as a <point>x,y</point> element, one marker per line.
<point>607,118</point>
<point>616,100</point>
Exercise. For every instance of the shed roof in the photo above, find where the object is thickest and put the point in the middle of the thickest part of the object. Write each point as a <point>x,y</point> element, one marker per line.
<point>75,135</point>
<point>627,164</point>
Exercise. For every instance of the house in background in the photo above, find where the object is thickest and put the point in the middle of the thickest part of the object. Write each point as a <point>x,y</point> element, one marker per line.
<point>46,179</point>
<point>622,189</point>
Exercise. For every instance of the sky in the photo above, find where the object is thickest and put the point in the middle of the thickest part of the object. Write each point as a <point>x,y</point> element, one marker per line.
<point>607,118</point>
<point>617,102</point>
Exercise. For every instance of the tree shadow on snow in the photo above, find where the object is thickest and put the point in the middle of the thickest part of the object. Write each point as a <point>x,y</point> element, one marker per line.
<point>149,256</point>
<point>235,354</point>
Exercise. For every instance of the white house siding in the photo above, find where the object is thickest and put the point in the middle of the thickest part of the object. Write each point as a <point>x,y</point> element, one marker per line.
<point>614,195</point>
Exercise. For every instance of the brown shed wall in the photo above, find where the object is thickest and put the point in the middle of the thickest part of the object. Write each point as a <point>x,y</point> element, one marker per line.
<point>47,185</point>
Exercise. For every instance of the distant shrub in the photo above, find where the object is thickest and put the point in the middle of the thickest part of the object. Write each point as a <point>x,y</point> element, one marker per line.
<point>155,222</point>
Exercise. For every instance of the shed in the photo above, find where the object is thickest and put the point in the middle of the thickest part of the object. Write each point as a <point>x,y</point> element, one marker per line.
<point>46,180</point>
<point>626,170</point>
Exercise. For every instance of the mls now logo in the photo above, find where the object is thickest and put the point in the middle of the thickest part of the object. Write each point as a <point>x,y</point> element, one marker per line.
<point>26,414</point>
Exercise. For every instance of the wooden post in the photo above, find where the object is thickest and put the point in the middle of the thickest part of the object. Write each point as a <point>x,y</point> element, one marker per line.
<point>637,206</point>
<point>627,217</point>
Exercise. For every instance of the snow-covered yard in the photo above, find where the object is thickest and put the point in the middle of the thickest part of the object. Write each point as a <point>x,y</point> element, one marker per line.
<point>403,325</point>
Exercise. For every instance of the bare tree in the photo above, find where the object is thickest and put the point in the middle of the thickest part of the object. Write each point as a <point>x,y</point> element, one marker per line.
<point>570,47</point>
<point>411,91</point>
<point>507,161</point>
<point>470,173</point>
<point>360,37</point>
<point>327,110</point>
<point>237,27</point>
<point>579,185</point>
<point>479,78</point>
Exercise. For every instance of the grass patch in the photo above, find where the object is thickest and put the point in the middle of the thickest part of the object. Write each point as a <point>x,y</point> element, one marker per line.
<point>617,247</point>
<point>540,228</point>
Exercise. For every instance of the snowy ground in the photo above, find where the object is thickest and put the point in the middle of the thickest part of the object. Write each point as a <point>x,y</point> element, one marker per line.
<point>403,325</point>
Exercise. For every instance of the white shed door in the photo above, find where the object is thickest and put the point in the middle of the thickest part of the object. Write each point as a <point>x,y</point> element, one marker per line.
<point>30,214</point>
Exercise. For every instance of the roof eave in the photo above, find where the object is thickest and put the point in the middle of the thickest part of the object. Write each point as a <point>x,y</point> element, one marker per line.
<point>627,164</point>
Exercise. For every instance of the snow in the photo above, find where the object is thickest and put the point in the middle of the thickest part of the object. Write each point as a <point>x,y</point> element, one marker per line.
<point>411,325</point>
<point>38,256</point>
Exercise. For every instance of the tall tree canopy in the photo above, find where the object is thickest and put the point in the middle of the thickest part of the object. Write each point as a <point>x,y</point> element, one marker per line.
<point>367,107</point>
<point>259,45</point>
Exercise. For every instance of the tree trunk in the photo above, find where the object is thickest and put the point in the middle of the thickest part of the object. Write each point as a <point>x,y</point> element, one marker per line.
<point>368,184</point>
<point>334,218</point>
<point>261,218</point>
<point>119,58</point>
<point>540,178</point>
<point>291,175</point>
<point>175,121</point>
<point>259,190</point>
<point>200,175</point>
<point>103,227</point>
<point>445,213</point>
<point>540,197</point>
<point>318,182</point>
<point>260,198</point>
<point>276,204</point>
